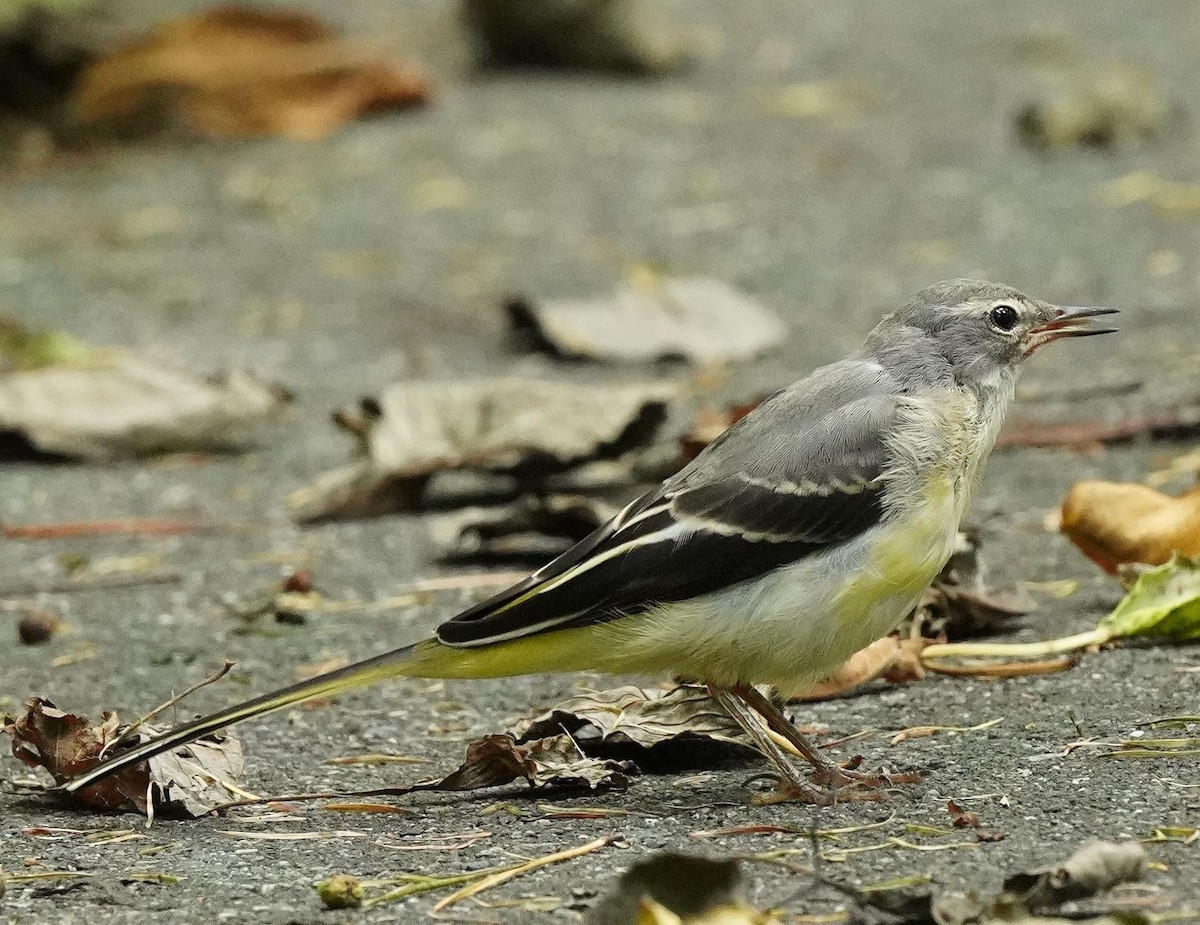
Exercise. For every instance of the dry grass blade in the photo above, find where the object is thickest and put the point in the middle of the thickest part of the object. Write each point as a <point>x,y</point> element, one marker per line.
<point>504,876</point>
<point>373,759</point>
<point>1154,748</point>
<point>920,732</point>
<point>368,808</point>
<point>293,836</point>
<point>133,727</point>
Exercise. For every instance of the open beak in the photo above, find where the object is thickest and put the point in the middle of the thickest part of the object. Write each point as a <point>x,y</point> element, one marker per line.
<point>1067,322</point>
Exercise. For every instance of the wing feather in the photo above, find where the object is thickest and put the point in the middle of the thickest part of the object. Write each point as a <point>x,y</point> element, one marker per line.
<point>773,491</point>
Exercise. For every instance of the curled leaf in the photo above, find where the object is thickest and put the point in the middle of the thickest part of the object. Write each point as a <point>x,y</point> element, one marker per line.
<point>630,718</point>
<point>1096,867</point>
<point>189,779</point>
<point>235,71</point>
<point>892,658</point>
<point>553,763</point>
<point>672,888</point>
<point>1116,523</point>
<point>523,428</point>
<point>532,528</point>
<point>700,320</point>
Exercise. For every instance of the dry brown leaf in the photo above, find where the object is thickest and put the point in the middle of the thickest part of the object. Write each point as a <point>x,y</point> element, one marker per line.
<point>188,779</point>
<point>534,527</point>
<point>550,763</point>
<point>1115,523</point>
<point>700,320</point>
<point>614,721</point>
<point>962,818</point>
<point>525,428</point>
<point>892,658</point>
<point>236,71</point>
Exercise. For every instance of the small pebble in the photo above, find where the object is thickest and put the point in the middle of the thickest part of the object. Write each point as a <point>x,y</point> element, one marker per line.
<point>37,626</point>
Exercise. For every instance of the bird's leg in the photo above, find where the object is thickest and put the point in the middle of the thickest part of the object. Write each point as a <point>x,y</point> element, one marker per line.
<point>829,773</point>
<point>792,782</point>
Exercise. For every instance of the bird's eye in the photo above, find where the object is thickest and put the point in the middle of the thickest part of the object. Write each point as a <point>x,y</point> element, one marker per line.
<point>1003,317</point>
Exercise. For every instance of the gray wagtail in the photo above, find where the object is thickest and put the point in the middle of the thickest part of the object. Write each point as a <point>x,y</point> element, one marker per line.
<point>808,530</point>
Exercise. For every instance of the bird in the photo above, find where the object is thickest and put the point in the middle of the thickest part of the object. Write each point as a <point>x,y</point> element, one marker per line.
<point>804,532</point>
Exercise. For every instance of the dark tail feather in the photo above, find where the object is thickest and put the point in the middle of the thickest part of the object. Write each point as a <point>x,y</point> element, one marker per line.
<point>390,664</point>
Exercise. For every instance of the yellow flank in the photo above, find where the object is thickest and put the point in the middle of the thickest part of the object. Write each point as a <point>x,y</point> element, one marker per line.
<point>913,549</point>
<point>554,651</point>
<point>905,558</point>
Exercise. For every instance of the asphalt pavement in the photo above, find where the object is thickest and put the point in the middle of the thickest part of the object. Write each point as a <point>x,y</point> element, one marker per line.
<point>385,251</point>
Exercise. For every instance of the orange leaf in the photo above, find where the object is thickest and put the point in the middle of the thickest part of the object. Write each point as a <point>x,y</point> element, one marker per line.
<point>892,658</point>
<point>1114,523</point>
<point>232,71</point>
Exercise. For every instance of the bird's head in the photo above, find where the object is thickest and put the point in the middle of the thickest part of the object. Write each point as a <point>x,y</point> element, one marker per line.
<point>984,330</point>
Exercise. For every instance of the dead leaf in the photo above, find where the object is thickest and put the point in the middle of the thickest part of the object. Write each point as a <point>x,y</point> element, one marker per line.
<point>961,604</point>
<point>534,527</point>
<point>235,71</point>
<point>1116,523</point>
<point>670,888</point>
<point>696,319</point>
<point>1162,604</point>
<point>629,719</point>
<point>521,427</point>
<point>549,763</point>
<point>125,405</point>
<point>1100,106</point>
<point>597,35</point>
<point>893,658</point>
<point>188,779</point>
<point>962,818</point>
<point>1096,867</point>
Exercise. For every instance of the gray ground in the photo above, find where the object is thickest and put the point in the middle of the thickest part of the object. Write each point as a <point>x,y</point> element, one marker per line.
<point>332,267</point>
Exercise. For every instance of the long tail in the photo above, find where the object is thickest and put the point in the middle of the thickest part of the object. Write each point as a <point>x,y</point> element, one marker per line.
<point>562,650</point>
<point>388,665</point>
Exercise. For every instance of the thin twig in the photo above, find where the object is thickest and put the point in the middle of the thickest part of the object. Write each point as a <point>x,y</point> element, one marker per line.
<point>122,526</point>
<point>166,705</point>
<point>90,583</point>
<point>1092,637</point>
<point>504,876</point>
<point>1022,669</point>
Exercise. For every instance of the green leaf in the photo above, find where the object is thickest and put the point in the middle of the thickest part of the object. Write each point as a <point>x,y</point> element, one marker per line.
<point>1164,602</point>
<point>25,348</point>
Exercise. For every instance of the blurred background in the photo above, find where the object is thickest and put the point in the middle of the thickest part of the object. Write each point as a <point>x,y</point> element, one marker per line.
<point>828,158</point>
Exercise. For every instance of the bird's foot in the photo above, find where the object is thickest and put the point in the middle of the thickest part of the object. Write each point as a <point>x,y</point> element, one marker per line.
<point>839,776</point>
<point>836,784</point>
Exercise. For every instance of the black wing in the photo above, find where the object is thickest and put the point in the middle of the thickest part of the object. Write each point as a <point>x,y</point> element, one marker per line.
<point>767,494</point>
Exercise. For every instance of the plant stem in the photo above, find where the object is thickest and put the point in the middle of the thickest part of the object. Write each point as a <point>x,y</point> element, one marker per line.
<point>1093,637</point>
